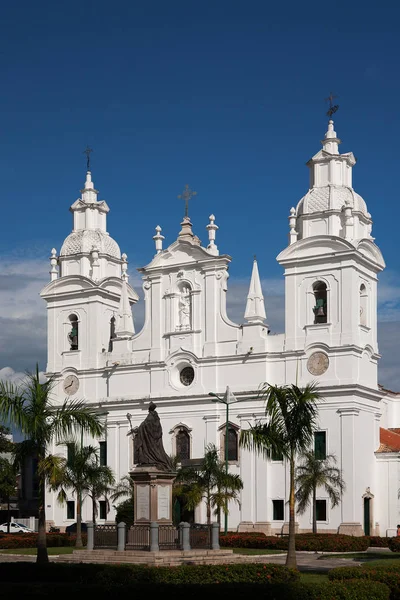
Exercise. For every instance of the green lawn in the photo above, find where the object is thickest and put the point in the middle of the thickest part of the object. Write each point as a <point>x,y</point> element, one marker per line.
<point>313,577</point>
<point>32,551</point>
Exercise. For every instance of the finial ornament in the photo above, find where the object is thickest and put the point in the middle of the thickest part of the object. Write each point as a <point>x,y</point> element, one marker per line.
<point>187,195</point>
<point>88,152</point>
<point>53,265</point>
<point>158,238</point>
<point>212,228</point>
<point>332,107</point>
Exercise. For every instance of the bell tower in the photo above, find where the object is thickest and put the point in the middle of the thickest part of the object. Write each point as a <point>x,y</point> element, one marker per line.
<point>331,267</point>
<point>88,297</point>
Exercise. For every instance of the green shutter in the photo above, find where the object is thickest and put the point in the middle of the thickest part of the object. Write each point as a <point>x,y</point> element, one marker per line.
<point>320,445</point>
<point>103,454</point>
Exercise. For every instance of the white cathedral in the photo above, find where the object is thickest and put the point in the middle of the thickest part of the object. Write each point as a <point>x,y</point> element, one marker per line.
<point>188,347</point>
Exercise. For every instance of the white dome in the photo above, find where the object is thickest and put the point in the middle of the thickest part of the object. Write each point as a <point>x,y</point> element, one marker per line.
<point>82,241</point>
<point>330,197</point>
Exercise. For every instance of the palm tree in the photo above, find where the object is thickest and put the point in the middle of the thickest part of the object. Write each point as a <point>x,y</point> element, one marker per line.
<point>99,482</point>
<point>314,473</point>
<point>75,474</point>
<point>291,420</point>
<point>28,406</point>
<point>209,482</point>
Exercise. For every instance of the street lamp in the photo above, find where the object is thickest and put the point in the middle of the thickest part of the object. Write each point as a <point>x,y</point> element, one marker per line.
<point>229,398</point>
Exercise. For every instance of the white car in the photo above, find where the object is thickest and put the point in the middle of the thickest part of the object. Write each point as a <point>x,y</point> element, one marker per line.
<point>15,528</point>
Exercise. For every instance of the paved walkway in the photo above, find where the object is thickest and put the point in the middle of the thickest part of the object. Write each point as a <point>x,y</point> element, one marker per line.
<point>306,561</point>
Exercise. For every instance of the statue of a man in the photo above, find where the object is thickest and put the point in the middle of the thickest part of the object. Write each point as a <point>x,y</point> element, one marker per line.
<point>149,444</point>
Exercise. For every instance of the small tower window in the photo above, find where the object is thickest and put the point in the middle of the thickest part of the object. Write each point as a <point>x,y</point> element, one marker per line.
<point>363,305</point>
<point>232,444</point>
<point>321,302</point>
<point>73,335</point>
<point>112,334</point>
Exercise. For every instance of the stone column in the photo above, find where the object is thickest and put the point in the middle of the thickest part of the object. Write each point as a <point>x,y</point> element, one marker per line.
<point>215,536</point>
<point>154,547</point>
<point>121,529</point>
<point>184,532</point>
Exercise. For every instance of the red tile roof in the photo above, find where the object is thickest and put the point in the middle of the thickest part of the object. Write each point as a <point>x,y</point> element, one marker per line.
<point>389,440</point>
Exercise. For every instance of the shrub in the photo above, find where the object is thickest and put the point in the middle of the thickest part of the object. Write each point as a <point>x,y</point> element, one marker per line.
<point>319,542</point>
<point>108,574</point>
<point>387,574</point>
<point>357,590</point>
<point>26,540</point>
<point>378,542</point>
<point>394,544</point>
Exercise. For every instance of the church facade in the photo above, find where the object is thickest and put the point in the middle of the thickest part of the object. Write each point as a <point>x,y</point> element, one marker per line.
<point>188,347</point>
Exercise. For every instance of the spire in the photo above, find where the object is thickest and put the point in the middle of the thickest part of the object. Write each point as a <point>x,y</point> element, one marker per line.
<point>330,143</point>
<point>255,308</point>
<point>124,327</point>
<point>89,194</point>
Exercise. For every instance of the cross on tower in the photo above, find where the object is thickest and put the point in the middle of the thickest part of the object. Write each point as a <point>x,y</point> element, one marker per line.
<point>187,195</point>
<point>88,151</point>
<point>332,107</point>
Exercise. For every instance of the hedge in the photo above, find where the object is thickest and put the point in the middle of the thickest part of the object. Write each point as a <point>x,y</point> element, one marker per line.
<point>351,590</point>
<point>378,542</point>
<point>29,540</point>
<point>320,542</point>
<point>123,574</point>
<point>387,574</point>
<point>394,544</point>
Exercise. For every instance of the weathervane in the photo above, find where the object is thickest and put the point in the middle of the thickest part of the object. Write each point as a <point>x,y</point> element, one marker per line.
<point>332,107</point>
<point>88,151</point>
<point>187,195</point>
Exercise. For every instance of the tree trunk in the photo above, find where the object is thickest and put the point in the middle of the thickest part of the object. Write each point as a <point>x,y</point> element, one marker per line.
<point>94,511</point>
<point>314,510</point>
<point>208,511</point>
<point>78,543</point>
<point>291,555</point>
<point>42,556</point>
<point>8,514</point>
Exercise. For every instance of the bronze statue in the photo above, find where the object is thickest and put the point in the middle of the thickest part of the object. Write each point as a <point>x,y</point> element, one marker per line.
<point>149,444</point>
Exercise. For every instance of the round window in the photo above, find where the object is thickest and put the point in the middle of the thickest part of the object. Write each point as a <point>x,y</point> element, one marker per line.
<point>186,375</point>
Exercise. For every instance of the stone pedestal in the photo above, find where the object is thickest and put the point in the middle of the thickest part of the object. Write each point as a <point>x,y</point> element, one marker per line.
<point>351,529</point>
<point>152,495</point>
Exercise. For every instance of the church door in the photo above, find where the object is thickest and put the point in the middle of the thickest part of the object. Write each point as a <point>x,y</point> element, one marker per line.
<point>367,512</point>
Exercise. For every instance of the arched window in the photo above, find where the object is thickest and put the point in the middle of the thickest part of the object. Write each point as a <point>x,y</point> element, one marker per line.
<point>182,441</point>
<point>233,442</point>
<point>363,305</point>
<point>321,302</point>
<point>73,334</point>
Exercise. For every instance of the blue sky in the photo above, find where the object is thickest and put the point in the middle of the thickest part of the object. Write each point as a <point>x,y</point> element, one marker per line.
<point>225,96</point>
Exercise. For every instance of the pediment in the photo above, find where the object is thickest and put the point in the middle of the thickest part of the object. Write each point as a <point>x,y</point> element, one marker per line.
<point>182,252</point>
<point>68,284</point>
<point>369,249</point>
<point>71,284</point>
<point>314,246</point>
<point>114,285</point>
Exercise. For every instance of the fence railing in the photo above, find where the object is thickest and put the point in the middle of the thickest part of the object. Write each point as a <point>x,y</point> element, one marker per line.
<point>200,536</point>
<point>138,537</point>
<point>153,537</point>
<point>105,536</point>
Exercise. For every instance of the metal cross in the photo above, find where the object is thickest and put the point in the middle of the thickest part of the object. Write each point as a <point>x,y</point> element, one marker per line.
<point>332,107</point>
<point>88,151</point>
<point>187,195</point>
